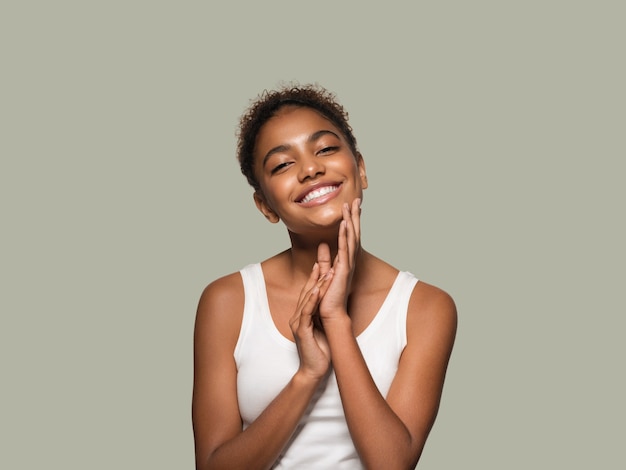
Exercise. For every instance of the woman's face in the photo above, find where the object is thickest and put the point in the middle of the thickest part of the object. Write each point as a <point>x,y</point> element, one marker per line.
<point>305,170</point>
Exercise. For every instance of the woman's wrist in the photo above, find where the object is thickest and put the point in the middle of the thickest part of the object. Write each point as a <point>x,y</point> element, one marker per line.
<point>303,379</point>
<point>337,324</point>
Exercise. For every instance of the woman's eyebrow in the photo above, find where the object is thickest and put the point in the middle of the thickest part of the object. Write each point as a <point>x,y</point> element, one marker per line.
<point>278,149</point>
<point>316,135</point>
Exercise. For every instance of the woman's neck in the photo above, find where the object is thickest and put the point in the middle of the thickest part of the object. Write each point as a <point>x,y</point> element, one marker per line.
<point>304,249</point>
<point>304,253</point>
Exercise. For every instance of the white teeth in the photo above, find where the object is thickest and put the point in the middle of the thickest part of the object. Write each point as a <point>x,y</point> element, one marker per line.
<point>318,193</point>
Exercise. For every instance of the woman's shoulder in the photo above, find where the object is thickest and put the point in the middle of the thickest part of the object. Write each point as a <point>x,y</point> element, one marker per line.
<point>428,297</point>
<point>432,310</point>
<point>221,304</point>
<point>223,289</point>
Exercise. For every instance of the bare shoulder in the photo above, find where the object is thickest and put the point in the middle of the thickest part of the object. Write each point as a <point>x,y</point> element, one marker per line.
<point>220,308</point>
<point>432,314</point>
<point>222,290</point>
<point>428,298</point>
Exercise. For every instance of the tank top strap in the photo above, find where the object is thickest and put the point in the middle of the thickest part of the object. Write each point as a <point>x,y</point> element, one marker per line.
<point>252,278</point>
<point>400,306</point>
<point>392,314</point>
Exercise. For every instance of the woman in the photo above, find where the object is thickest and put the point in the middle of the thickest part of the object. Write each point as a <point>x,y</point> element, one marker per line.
<point>322,356</point>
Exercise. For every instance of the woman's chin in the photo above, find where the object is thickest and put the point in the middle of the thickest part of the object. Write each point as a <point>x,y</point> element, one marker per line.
<point>324,228</point>
<point>329,218</point>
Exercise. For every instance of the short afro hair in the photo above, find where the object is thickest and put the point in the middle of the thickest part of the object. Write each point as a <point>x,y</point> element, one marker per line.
<point>269,102</point>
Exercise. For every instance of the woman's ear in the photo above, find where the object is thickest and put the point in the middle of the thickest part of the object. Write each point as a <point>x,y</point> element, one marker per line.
<point>264,207</point>
<point>362,173</point>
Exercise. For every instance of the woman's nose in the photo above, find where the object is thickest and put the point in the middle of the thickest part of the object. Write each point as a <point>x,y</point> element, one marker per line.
<point>310,167</point>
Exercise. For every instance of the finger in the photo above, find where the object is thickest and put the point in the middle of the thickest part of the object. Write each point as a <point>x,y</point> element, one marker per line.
<point>324,283</point>
<point>311,281</point>
<point>306,307</point>
<point>356,219</point>
<point>309,307</point>
<point>323,258</point>
<point>342,246</point>
<point>354,229</point>
<point>304,297</point>
<point>324,278</point>
<point>350,232</point>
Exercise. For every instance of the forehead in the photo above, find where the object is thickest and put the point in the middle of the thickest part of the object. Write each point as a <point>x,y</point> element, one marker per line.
<point>291,122</point>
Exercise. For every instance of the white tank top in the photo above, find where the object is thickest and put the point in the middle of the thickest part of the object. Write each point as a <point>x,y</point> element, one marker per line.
<point>266,361</point>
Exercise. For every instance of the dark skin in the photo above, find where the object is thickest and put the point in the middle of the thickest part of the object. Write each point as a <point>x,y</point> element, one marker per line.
<point>327,279</point>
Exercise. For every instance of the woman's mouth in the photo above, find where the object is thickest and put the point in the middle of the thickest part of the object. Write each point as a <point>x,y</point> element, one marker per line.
<point>317,193</point>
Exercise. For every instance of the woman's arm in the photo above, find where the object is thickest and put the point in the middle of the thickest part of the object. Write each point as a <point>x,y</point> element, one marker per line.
<point>219,439</point>
<point>388,433</point>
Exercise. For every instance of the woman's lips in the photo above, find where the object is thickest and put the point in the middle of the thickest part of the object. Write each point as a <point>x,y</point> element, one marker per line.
<point>318,193</point>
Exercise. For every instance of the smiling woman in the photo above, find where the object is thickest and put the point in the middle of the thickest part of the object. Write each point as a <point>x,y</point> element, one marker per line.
<point>323,356</point>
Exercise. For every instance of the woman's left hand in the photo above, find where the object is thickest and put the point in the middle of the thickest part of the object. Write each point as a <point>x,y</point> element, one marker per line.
<point>335,301</point>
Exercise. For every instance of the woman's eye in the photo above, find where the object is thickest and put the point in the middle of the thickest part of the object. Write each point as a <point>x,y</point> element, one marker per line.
<point>279,167</point>
<point>327,150</point>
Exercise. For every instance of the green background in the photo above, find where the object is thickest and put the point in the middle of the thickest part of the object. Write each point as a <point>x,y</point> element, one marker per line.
<point>493,134</point>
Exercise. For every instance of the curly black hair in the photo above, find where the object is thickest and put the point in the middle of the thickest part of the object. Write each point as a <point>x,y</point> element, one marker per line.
<point>269,102</point>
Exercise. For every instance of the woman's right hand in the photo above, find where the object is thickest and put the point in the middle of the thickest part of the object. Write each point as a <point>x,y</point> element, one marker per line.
<point>310,340</point>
